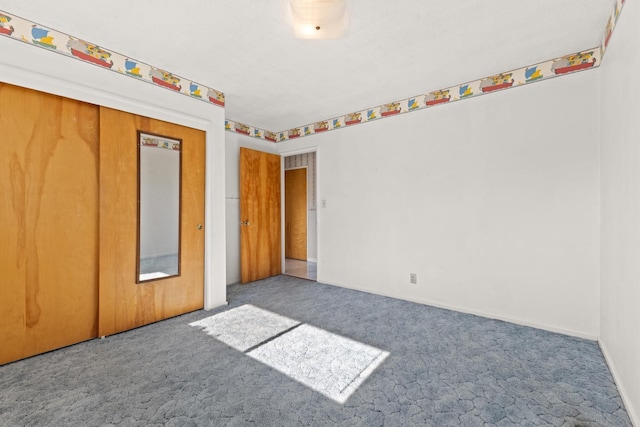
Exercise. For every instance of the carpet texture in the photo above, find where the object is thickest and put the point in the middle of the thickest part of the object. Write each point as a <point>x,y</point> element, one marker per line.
<point>442,369</point>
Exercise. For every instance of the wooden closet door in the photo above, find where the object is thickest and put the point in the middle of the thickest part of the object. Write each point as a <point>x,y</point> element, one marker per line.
<point>48,222</point>
<point>125,304</point>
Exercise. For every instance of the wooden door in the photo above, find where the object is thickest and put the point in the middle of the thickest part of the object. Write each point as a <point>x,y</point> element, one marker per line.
<point>48,222</point>
<point>260,215</point>
<point>295,214</point>
<point>124,304</point>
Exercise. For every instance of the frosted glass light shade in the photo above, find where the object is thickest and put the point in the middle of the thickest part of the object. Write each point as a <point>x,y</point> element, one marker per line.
<point>318,19</point>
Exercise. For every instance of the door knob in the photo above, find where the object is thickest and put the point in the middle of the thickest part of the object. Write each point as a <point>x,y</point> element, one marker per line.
<point>244,223</point>
<point>199,226</point>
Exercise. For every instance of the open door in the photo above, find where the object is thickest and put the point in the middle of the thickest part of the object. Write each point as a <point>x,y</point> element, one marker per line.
<point>126,300</point>
<point>260,215</point>
<point>295,214</point>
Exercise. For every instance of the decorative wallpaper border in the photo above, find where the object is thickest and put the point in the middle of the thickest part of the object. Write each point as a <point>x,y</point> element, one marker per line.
<point>567,64</point>
<point>242,129</point>
<point>611,25</point>
<point>156,141</point>
<point>32,33</point>
<point>37,35</point>
<point>580,61</point>
<point>545,70</point>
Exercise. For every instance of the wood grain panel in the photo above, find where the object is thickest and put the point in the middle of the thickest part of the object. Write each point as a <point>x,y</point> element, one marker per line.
<point>123,303</point>
<point>260,250</point>
<point>295,214</point>
<point>48,222</point>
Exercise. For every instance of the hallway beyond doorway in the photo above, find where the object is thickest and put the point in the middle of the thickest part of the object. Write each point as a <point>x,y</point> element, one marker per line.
<point>302,269</point>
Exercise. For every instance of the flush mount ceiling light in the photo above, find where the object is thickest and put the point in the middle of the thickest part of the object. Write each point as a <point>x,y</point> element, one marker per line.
<point>318,19</point>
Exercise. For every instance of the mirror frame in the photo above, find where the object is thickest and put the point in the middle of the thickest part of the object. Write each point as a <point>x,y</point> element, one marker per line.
<point>139,144</point>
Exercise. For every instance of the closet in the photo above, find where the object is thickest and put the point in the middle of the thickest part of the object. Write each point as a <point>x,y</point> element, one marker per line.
<point>69,223</point>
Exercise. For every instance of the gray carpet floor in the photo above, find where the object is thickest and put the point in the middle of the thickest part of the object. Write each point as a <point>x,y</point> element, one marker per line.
<point>443,368</point>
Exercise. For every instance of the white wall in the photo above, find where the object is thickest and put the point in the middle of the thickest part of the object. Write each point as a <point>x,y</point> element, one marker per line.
<point>232,198</point>
<point>39,69</point>
<point>620,215</point>
<point>492,201</point>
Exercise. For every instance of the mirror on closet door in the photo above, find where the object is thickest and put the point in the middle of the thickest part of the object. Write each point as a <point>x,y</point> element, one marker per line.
<point>159,188</point>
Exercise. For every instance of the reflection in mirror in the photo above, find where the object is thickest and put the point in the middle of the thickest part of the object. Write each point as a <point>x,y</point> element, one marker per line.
<point>159,165</point>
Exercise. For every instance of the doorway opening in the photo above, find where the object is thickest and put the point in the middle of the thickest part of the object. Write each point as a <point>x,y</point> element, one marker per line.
<point>300,216</point>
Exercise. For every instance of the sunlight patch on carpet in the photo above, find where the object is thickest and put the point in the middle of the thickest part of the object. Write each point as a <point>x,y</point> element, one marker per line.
<point>323,361</point>
<point>328,363</point>
<point>245,327</point>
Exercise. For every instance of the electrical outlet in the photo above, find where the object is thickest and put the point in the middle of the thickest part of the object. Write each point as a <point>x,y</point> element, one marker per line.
<point>413,279</point>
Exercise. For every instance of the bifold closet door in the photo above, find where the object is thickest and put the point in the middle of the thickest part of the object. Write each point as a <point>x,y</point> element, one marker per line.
<point>125,304</point>
<point>48,222</point>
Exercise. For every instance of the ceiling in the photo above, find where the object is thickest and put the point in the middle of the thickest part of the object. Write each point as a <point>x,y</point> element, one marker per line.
<point>391,50</point>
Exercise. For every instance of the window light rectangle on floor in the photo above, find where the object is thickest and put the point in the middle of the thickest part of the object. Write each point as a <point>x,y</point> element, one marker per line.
<point>323,361</point>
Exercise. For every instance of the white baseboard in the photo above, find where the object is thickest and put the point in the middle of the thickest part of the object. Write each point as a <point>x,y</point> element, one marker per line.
<point>577,334</point>
<point>233,280</point>
<point>224,304</point>
<point>312,259</point>
<point>635,419</point>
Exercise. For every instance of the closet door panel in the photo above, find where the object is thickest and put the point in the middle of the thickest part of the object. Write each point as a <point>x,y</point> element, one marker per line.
<point>49,222</point>
<point>125,304</point>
